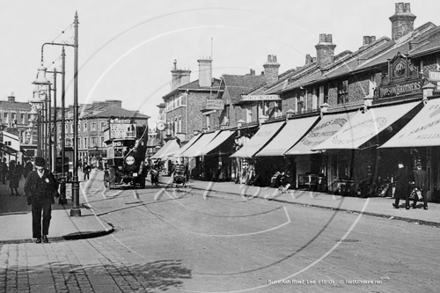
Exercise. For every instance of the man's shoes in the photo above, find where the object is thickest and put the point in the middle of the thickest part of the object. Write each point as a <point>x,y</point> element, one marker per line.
<point>413,206</point>
<point>407,207</point>
<point>38,240</point>
<point>45,240</point>
<point>395,206</point>
<point>425,208</point>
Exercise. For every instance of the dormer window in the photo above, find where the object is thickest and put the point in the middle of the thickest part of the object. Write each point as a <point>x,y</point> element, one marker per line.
<point>343,92</point>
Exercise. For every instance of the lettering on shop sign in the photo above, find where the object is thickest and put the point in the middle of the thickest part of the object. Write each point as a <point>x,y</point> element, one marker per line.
<point>377,123</point>
<point>260,98</point>
<point>374,125</point>
<point>424,127</point>
<point>323,132</point>
<point>214,104</point>
<point>400,89</point>
<point>436,110</point>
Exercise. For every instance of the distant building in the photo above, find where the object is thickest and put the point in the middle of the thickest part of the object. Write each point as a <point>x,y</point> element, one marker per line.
<point>93,120</point>
<point>14,119</point>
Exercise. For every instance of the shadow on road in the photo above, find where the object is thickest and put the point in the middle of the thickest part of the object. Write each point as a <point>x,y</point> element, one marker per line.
<point>152,276</point>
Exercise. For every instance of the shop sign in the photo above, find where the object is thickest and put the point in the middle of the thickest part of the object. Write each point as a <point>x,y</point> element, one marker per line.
<point>214,104</point>
<point>402,78</point>
<point>249,98</point>
<point>400,89</point>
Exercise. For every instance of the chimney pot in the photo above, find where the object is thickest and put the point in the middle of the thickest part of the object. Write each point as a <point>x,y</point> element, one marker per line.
<point>329,38</point>
<point>366,40</point>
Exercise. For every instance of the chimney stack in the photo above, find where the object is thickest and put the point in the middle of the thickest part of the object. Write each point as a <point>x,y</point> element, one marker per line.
<point>368,40</point>
<point>205,72</point>
<point>402,22</point>
<point>325,50</point>
<point>11,99</point>
<point>179,77</point>
<point>271,69</point>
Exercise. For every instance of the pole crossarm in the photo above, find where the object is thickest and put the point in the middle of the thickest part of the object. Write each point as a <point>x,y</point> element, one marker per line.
<point>52,44</point>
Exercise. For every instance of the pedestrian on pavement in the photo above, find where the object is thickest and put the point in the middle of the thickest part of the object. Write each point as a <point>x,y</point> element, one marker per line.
<point>19,170</point>
<point>14,178</point>
<point>28,167</point>
<point>187,172</point>
<point>402,186</point>
<point>3,170</point>
<point>86,171</point>
<point>421,184</point>
<point>40,189</point>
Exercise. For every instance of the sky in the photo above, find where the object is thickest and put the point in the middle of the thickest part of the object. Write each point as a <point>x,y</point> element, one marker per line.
<point>127,48</point>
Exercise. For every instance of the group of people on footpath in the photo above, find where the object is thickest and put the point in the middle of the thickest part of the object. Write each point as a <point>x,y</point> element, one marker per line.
<point>405,187</point>
<point>14,173</point>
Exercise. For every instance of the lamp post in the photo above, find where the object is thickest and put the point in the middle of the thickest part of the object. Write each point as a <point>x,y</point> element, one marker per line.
<point>40,90</point>
<point>75,210</point>
<point>37,105</point>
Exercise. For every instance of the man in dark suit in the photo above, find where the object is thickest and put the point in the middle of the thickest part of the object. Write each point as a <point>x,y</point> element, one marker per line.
<point>420,179</point>
<point>402,186</point>
<point>40,188</point>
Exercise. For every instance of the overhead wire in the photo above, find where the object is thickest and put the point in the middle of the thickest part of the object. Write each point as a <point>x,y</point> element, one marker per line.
<point>63,32</point>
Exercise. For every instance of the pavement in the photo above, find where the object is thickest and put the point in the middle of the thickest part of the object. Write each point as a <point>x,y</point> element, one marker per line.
<point>373,206</point>
<point>16,219</point>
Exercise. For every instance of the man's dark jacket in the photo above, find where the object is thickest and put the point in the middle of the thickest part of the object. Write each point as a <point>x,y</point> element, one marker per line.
<point>39,189</point>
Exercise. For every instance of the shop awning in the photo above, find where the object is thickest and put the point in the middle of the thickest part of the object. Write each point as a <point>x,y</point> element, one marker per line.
<point>364,126</point>
<point>24,152</point>
<point>217,141</point>
<point>421,131</point>
<point>326,127</point>
<point>196,149</point>
<point>259,140</point>
<point>179,152</point>
<point>288,136</point>
<point>8,149</point>
<point>169,147</point>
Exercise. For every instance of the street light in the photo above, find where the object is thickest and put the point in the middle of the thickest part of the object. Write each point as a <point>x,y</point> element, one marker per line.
<point>36,104</point>
<point>42,84</point>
